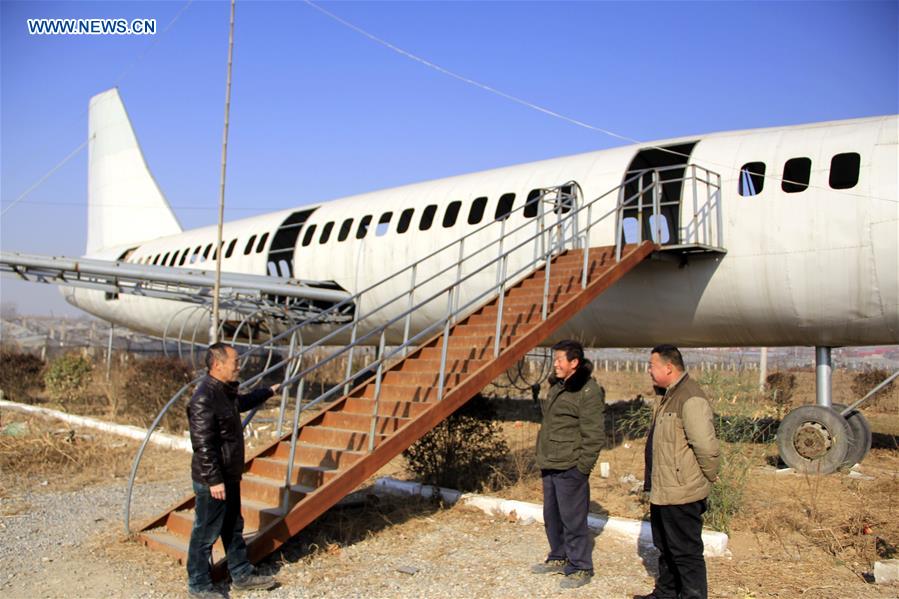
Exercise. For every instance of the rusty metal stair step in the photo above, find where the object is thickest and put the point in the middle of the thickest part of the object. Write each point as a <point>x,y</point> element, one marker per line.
<point>396,409</point>
<point>362,423</point>
<point>275,468</point>
<point>308,454</point>
<point>336,437</point>
<point>269,491</point>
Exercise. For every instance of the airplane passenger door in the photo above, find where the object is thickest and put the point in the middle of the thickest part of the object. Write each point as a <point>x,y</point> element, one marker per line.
<point>639,222</point>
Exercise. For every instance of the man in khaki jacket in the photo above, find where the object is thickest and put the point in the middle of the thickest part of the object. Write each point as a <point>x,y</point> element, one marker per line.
<point>682,461</point>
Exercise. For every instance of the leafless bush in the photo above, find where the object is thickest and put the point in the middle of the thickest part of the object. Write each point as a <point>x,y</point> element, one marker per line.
<point>20,375</point>
<point>779,388</point>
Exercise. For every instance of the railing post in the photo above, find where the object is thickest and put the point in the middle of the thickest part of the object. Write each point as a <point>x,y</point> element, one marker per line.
<point>695,231</point>
<point>586,263</point>
<point>718,207</point>
<point>619,224</point>
<point>443,350</point>
<point>293,344</point>
<point>707,230</point>
<point>408,318</point>
<point>657,205</point>
<point>378,378</point>
<point>285,497</point>
<point>352,345</point>
<point>459,275</point>
<point>546,274</point>
<point>502,238</point>
<point>640,209</point>
<point>500,303</point>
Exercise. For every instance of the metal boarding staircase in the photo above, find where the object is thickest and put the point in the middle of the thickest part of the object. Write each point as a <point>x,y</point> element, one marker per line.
<point>495,302</point>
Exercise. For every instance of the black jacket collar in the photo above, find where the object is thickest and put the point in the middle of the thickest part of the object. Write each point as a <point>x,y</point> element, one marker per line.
<point>577,380</point>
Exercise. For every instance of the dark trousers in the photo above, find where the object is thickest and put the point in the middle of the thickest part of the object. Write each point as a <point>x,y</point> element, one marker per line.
<point>214,518</point>
<point>566,501</point>
<point>677,534</point>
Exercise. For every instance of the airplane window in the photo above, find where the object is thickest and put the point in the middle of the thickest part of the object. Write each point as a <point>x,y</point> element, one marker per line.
<point>195,257</point>
<point>504,206</point>
<point>230,249</point>
<point>249,247</point>
<point>476,214</point>
<point>184,257</point>
<point>261,245</point>
<point>655,225</point>
<point>844,170</point>
<point>631,229</point>
<point>427,217</point>
<point>532,204</point>
<point>174,258</point>
<point>383,224</point>
<point>362,229</point>
<point>451,214</point>
<point>326,232</point>
<point>752,179</point>
<point>206,252</point>
<point>345,230</point>
<point>405,220</point>
<point>165,259</point>
<point>156,259</point>
<point>310,233</point>
<point>796,175</point>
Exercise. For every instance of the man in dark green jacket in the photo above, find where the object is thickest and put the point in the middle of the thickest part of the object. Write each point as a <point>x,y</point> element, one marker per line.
<point>567,448</point>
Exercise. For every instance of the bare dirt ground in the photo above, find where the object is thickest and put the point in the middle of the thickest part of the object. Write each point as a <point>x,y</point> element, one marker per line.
<point>61,497</point>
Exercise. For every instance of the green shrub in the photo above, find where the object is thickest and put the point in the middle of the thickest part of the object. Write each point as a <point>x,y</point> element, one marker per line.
<point>462,451</point>
<point>726,496</point>
<point>20,374</point>
<point>148,385</point>
<point>68,377</point>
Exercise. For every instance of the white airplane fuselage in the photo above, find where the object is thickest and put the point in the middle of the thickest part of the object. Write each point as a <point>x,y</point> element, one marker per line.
<point>816,267</point>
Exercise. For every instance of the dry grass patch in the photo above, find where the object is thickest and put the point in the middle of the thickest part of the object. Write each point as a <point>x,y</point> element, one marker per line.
<point>47,454</point>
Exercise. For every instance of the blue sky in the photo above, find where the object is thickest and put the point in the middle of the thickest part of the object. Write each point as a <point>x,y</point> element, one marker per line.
<point>319,111</point>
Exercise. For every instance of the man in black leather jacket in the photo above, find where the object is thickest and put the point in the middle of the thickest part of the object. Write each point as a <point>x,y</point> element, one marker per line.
<point>216,468</point>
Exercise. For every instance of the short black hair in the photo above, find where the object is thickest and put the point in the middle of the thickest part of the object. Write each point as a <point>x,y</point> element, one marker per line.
<point>670,354</point>
<point>217,352</point>
<point>573,350</point>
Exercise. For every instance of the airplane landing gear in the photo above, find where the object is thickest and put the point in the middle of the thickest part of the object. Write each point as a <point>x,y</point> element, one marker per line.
<point>814,440</point>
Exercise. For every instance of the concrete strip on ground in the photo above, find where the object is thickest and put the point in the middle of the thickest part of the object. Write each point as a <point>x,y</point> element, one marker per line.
<point>124,430</point>
<point>638,531</point>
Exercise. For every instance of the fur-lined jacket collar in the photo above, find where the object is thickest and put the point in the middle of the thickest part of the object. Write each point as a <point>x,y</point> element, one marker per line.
<point>577,380</point>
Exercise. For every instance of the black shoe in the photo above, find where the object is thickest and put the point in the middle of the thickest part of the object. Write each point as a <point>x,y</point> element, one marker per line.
<point>550,566</point>
<point>576,579</point>
<point>649,596</point>
<point>254,582</point>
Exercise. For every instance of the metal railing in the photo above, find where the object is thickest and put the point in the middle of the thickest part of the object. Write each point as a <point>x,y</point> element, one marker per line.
<point>441,288</point>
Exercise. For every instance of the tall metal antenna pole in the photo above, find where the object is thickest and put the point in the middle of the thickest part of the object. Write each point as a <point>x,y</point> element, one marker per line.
<point>214,326</point>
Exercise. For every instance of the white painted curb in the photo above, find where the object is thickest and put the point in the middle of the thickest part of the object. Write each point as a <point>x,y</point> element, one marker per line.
<point>124,430</point>
<point>527,513</point>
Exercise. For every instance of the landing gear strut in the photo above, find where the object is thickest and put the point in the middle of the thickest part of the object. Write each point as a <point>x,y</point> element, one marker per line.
<point>819,439</point>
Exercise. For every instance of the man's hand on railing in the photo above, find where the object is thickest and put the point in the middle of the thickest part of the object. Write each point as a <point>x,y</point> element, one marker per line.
<point>275,388</point>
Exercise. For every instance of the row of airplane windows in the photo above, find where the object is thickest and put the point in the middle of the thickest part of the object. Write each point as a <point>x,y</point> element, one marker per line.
<point>796,173</point>
<point>199,254</point>
<point>504,208</point>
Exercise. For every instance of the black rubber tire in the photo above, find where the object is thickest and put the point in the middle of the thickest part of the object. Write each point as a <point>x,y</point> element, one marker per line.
<point>814,423</point>
<point>861,436</point>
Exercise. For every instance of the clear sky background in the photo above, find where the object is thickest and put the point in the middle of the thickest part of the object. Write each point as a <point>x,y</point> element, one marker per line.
<point>319,111</point>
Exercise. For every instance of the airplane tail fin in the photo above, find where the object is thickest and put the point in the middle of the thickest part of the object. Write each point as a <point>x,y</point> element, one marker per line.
<point>125,204</point>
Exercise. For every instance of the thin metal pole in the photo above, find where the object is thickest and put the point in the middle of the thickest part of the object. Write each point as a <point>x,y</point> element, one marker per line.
<point>443,351</point>
<point>720,235</point>
<point>213,332</point>
<point>619,224</point>
<point>109,351</point>
<point>293,343</point>
<point>459,275</point>
<point>376,403</point>
<point>352,346</point>
<point>293,441</point>
<point>408,319</point>
<point>695,231</point>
